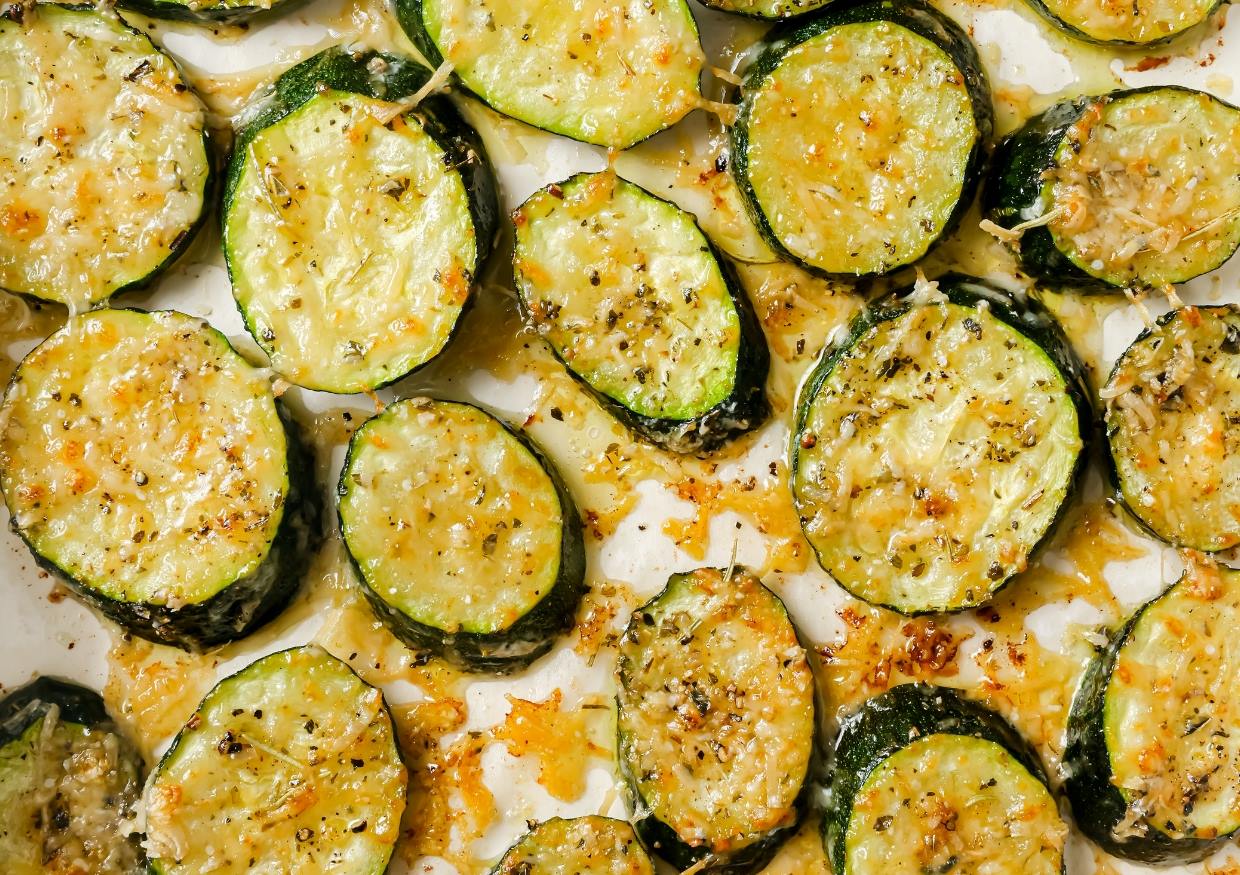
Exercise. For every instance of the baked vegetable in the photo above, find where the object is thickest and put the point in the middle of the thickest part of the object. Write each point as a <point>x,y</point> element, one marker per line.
<point>1145,23</point>
<point>148,465</point>
<point>69,784</point>
<point>588,845</point>
<point>1153,756</point>
<point>642,309</point>
<point>289,765</point>
<point>104,154</point>
<point>937,443</point>
<point>611,74</point>
<point>1129,189</point>
<point>927,781</point>
<point>467,542</point>
<point>717,721</point>
<point>773,9</point>
<point>860,137</point>
<point>209,11</point>
<point>1172,417</point>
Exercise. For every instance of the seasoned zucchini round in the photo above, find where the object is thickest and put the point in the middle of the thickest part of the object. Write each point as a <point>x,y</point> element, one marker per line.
<point>717,721</point>
<point>1172,417</point>
<point>466,540</point>
<point>1153,755</point>
<point>937,444</point>
<point>772,9</point>
<point>642,309</point>
<point>1137,24</point>
<point>104,154</point>
<point>147,463</point>
<point>1135,188</point>
<point>588,845</point>
<point>354,232</point>
<point>927,781</point>
<point>69,784</point>
<point>608,73</point>
<point>289,765</point>
<point>860,137</point>
<point>208,11</point>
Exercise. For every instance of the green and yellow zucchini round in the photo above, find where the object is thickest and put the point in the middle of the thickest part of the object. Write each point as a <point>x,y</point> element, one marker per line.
<point>937,443</point>
<point>767,9</point>
<point>1153,754</point>
<point>104,153</point>
<point>1145,23</point>
<point>589,845</point>
<point>717,722</point>
<point>209,11</point>
<point>1135,188</point>
<point>355,227</point>
<point>466,540</point>
<point>926,781</point>
<point>861,136</point>
<point>147,464</point>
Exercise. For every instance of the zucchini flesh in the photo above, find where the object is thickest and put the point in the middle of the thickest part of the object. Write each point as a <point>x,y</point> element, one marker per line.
<point>937,444</point>
<point>588,845</point>
<point>147,463</point>
<point>1145,23</point>
<point>773,9</point>
<point>104,153</point>
<point>476,555</point>
<point>860,136</point>
<point>638,305</point>
<point>717,721</point>
<point>290,765</point>
<point>1172,414</point>
<point>69,784</point>
<point>606,73</point>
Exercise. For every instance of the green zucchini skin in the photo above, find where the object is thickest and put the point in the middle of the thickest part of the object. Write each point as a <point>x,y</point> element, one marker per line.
<point>914,15</point>
<point>221,14</point>
<point>1076,33</point>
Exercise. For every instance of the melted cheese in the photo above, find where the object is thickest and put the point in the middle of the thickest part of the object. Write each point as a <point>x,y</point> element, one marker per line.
<point>581,846</point>
<point>1142,21</point>
<point>102,153</point>
<point>609,73</point>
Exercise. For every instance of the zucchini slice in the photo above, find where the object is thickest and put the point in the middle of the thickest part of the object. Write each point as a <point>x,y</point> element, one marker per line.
<point>1135,188</point>
<point>467,542</point>
<point>860,137</point>
<point>69,784</point>
<point>590,845</point>
<point>642,309</point>
<point>766,9</point>
<point>607,73</point>
<point>1153,755</point>
<point>208,11</point>
<point>717,723</point>
<point>354,232</point>
<point>926,781</point>
<point>103,149</point>
<point>146,462</point>
<point>289,765</point>
<point>1147,23</point>
<point>1173,423</point>
<point>937,444</point>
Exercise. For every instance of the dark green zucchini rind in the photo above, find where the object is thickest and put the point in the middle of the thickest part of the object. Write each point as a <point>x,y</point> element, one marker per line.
<point>642,310</point>
<point>1149,24</point>
<point>481,561</point>
<point>96,507</point>
<point>895,724</point>
<point>1154,145</point>
<point>109,168</point>
<point>1028,350</point>
<point>70,783</point>
<point>211,11</point>
<point>690,698</point>
<point>1196,615</point>
<point>821,217</point>
<point>767,10</point>
<point>350,302</point>
<point>589,845</point>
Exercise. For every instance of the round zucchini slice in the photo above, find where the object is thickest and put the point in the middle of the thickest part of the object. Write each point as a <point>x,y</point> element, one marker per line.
<point>69,784</point>
<point>354,232</point>
<point>104,153</point>
<point>1147,23</point>
<point>289,765</point>
<point>590,845</point>
<point>146,462</point>
<point>208,11</point>
<point>766,9</point>
<point>927,781</point>
<point>718,721</point>
<point>1173,411</point>
<point>937,444</point>
<point>860,137</point>
<point>1153,754</point>
<point>1135,188</point>
<point>467,542</point>
<point>607,73</point>
<point>642,309</point>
